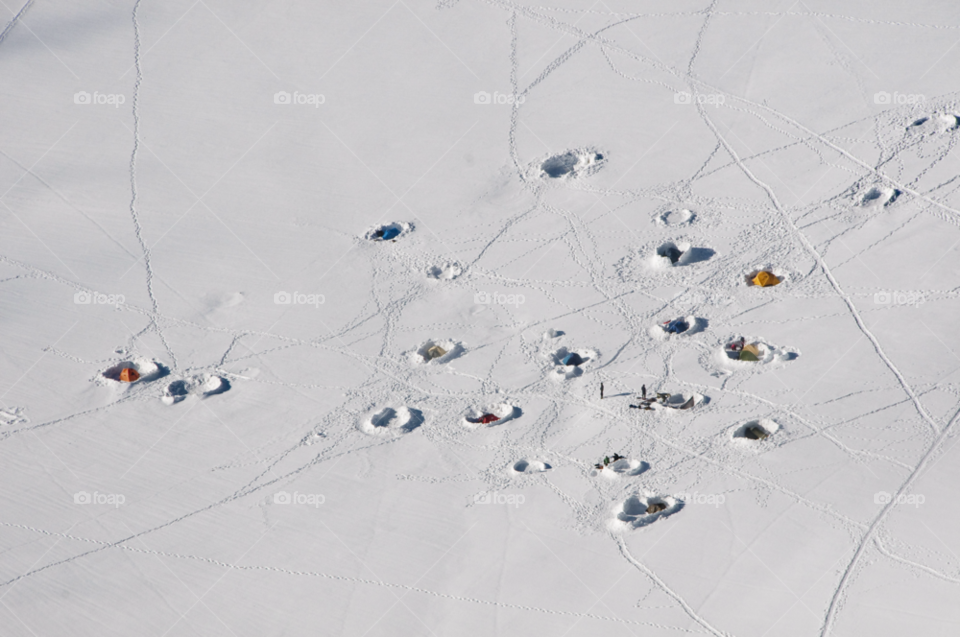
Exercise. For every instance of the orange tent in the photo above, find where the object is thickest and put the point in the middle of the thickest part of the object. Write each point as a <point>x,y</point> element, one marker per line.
<point>765,279</point>
<point>129,375</point>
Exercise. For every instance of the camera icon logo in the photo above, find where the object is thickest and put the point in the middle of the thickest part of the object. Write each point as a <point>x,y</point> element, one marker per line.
<point>281,97</point>
<point>883,298</point>
<point>881,98</point>
<point>683,97</point>
<point>82,298</point>
<point>281,497</point>
<point>482,298</point>
<point>882,497</point>
<point>481,98</point>
<point>282,298</point>
<point>81,98</point>
<point>81,497</point>
<point>483,498</point>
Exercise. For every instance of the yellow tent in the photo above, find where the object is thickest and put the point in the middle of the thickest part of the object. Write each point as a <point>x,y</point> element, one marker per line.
<point>750,353</point>
<point>765,279</point>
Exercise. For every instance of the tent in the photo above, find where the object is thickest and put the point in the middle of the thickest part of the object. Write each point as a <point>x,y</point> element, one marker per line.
<point>486,419</point>
<point>435,352</point>
<point>572,359</point>
<point>129,375</point>
<point>676,326</point>
<point>750,353</point>
<point>656,507</point>
<point>671,252</point>
<point>385,234</point>
<point>765,279</point>
<point>755,433</point>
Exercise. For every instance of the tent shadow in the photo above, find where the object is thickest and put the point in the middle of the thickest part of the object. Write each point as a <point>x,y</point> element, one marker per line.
<point>224,387</point>
<point>695,255</point>
<point>416,420</point>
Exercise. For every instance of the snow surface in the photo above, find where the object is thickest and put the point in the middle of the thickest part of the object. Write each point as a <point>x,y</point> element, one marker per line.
<point>194,188</point>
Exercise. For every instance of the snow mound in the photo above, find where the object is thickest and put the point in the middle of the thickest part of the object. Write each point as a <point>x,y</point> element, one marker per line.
<point>503,411</point>
<point>676,218</point>
<point>877,196</point>
<point>147,369</point>
<point>445,272</point>
<point>201,385</point>
<point>678,254</point>
<point>632,513</point>
<point>624,467</point>
<point>552,333</point>
<point>529,466</point>
<point>936,124</point>
<point>570,164</point>
<point>390,422</point>
<point>12,416</point>
<point>424,356</point>
<point>389,231</point>
<point>660,333</point>
<point>566,371</point>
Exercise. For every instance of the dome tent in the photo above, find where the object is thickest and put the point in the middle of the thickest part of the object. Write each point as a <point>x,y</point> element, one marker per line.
<point>765,279</point>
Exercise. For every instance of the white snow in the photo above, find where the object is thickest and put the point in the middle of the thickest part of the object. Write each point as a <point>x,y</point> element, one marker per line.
<point>195,189</point>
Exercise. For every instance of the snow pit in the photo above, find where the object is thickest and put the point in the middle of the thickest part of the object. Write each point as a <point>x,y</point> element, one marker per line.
<point>530,466</point>
<point>474,417</point>
<point>638,511</point>
<point>390,422</point>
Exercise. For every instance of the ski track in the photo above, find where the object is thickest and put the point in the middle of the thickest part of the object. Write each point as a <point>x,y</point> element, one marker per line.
<point>14,20</point>
<point>581,242</point>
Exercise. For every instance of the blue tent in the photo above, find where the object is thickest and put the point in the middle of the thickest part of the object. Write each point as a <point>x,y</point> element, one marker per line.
<point>386,233</point>
<point>676,326</point>
<point>572,359</point>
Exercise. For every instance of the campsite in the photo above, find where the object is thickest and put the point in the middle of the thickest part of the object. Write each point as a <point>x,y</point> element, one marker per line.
<point>479,317</point>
